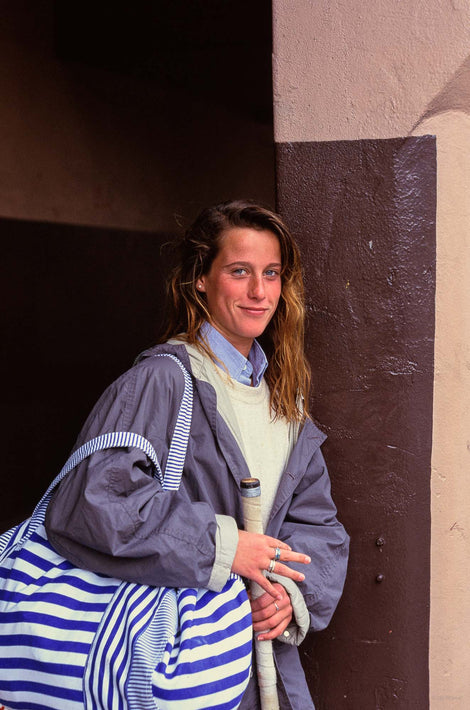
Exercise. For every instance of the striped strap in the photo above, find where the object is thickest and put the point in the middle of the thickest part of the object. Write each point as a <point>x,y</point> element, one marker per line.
<point>127,439</point>
<point>179,442</point>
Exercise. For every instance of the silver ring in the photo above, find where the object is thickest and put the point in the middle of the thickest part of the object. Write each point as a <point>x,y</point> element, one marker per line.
<point>277,554</point>
<point>272,565</point>
<point>276,606</point>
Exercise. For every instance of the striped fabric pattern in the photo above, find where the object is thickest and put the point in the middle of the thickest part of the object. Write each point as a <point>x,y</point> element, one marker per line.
<point>206,660</point>
<point>49,614</point>
<point>73,640</point>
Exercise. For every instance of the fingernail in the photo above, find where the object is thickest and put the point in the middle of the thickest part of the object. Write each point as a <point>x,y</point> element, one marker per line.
<point>307,559</point>
<point>301,577</point>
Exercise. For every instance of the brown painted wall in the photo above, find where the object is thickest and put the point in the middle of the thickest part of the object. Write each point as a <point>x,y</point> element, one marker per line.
<point>133,117</point>
<point>364,213</point>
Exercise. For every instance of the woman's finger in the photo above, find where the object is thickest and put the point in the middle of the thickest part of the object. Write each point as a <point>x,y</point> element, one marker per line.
<point>264,606</point>
<point>263,615</point>
<point>274,626</point>
<point>274,542</point>
<point>282,555</point>
<point>271,616</point>
<point>273,633</point>
<point>285,571</point>
<point>265,584</point>
<point>255,555</point>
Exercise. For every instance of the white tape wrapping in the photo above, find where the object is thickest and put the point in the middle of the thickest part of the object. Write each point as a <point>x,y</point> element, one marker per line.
<point>266,669</point>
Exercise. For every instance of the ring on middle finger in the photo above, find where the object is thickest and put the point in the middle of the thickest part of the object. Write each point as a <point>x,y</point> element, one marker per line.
<point>277,554</point>
<point>272,564</point>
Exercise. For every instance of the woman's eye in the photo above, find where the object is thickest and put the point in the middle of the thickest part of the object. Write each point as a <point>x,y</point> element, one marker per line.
<point>271,273</point>
<point>239,272</point>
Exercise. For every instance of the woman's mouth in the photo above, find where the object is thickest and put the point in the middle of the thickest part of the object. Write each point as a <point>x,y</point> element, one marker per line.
<point>254,311</point>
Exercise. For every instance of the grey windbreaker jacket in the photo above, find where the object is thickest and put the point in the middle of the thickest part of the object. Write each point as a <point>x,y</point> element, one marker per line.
<point>111,516</point>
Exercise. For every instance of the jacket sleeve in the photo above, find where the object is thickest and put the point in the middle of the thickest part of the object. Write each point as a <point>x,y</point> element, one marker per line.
<point>310,526</point>
<point>110,515</point>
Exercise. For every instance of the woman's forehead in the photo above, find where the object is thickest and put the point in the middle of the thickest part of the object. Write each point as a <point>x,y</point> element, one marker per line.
<point>246,241</point>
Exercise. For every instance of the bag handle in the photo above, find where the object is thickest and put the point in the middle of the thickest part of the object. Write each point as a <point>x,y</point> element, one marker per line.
<point>123,439</point>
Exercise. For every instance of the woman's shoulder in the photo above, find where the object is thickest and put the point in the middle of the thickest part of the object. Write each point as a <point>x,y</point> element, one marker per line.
<point>168,361</point>
<point>157,372</point>
<point>154,385</point>
<point>160,365</point>
<point>159,369</point>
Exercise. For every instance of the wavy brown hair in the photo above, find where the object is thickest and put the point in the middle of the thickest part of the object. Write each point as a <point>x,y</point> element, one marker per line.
<point>288,373</point>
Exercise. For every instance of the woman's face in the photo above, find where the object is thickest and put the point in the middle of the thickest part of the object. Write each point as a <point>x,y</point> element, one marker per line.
<point>243,285</point>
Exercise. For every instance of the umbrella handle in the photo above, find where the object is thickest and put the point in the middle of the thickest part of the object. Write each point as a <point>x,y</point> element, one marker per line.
<point>266,669</point>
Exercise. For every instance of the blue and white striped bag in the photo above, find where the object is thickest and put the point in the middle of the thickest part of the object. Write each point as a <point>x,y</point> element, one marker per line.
<point>72,639</point>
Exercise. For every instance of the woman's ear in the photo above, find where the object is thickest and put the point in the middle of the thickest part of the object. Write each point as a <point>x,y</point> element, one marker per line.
<point>200,285</point>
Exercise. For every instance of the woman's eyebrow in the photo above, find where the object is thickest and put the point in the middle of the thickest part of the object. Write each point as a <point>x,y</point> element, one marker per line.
<point>248,263</point>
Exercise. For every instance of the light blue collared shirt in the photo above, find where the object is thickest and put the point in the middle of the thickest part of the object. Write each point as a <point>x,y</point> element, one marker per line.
<point>239,367</point>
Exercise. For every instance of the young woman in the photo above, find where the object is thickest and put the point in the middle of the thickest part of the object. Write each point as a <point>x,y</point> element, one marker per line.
<point>238,278</point>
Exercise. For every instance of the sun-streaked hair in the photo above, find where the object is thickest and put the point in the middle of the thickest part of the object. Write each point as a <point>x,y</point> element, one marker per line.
<point>288,373</point>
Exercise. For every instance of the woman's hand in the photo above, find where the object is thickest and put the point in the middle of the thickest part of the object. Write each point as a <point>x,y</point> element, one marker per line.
<point>255,553</point>
<point>271,616</point>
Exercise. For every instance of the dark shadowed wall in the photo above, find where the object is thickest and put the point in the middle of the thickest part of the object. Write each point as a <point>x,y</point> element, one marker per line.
<point>78,304</point>
<point>118,122</point>
<point>133,115</point>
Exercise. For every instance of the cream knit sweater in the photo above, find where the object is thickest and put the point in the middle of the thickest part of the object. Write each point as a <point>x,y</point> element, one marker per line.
<point>266,443</point>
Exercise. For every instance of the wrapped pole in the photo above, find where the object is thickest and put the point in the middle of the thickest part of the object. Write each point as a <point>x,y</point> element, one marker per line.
<point>251,502</point>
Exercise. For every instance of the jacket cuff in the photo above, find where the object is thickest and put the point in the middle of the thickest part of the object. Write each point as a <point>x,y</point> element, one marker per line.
<point>297,630</point>
<point>226,542</point>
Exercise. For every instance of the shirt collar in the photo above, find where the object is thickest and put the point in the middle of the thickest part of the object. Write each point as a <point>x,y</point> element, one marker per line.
<point>240,368</point>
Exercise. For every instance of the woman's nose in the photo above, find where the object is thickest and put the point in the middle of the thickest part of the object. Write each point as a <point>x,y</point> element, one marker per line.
<point>256,289</point>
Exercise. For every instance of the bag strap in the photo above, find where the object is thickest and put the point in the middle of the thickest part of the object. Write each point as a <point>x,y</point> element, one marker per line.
<point>124,439</point>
